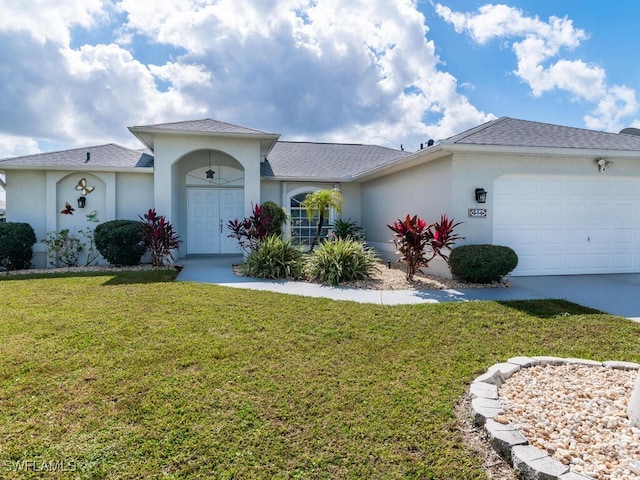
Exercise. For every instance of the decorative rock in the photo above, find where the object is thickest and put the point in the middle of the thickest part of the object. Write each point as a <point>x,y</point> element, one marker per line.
<point>503,438</point>
<point>621,365</point>
<point>524,362</point>
<point>483,390</point>
<point>582,361</point>
<point>633,410</point>
<point>576,414</point>
<point>550,360</point>
<point>573,476</point>
<point>498,373</point>
<point>484,408</point>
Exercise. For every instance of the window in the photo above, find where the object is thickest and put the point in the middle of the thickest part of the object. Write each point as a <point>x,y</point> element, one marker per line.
<point>303,231</point>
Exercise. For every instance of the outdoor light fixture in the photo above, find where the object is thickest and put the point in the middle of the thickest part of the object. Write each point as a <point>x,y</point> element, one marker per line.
<point>82,202</point>
<point>481,195</point>
<point>209,173</point>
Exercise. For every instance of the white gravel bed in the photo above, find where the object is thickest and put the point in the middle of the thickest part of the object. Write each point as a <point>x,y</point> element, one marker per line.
<point>578,414</point>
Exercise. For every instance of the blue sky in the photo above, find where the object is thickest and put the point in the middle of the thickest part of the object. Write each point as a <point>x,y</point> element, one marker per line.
<point>388,72</point>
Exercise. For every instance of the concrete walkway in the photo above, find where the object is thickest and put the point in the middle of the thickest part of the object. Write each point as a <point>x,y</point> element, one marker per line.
<point>615,294</point>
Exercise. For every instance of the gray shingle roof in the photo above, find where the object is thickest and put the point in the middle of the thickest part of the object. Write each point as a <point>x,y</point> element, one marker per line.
<point>206,125</point>
<point>308,160</point>
<point>105,156</point>
<point>507,131</point>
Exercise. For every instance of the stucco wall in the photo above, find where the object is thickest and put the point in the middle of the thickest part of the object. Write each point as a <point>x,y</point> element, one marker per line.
<point>425,190</point>
<point>134,195</point>
<point>37,198</point>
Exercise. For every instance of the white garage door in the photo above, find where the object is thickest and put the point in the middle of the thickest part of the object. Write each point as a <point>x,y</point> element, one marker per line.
<point>566,226</point>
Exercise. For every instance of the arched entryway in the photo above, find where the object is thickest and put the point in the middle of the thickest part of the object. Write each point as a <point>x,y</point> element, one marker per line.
<point>214,196</point>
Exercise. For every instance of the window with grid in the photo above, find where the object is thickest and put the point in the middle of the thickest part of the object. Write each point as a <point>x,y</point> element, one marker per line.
<point>302,230</point>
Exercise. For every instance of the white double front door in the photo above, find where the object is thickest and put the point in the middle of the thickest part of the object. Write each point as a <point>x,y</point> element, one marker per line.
<point>209,210</point>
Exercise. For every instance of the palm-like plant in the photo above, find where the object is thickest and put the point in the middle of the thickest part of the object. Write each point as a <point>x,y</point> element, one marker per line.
<point>318,203</point>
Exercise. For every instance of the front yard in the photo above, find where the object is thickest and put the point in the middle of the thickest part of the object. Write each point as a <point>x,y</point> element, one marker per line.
<point>128,375</point>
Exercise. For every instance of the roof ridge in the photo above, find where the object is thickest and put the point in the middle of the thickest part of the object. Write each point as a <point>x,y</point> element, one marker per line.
<point>476,129</point>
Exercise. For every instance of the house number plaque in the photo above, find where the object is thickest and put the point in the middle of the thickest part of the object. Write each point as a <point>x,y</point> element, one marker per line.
<point>477,212</point>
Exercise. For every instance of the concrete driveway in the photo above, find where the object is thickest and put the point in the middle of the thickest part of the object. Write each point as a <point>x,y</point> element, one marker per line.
<point>615,294</point>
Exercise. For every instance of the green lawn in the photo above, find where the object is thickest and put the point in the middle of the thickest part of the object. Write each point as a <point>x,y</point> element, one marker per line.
<point>131,375</point>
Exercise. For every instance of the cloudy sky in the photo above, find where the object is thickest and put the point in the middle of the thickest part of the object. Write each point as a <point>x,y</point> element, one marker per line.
<point>389,72</point>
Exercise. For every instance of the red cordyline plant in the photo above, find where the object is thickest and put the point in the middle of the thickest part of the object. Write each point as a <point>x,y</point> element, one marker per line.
<point>250,231</point>
<point>443,236</point>
<point>415,241</point>
<point>159,237</point>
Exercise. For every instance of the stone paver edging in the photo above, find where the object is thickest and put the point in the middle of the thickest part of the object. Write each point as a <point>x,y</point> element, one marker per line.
<point>530,462</point>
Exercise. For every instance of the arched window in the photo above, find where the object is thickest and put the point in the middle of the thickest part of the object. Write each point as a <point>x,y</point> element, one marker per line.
<point>303,231</point>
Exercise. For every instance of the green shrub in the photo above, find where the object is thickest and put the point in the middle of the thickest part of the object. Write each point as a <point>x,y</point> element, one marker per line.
<point>340,260</point>
<point>273,258</point>
<point>347,229</point>
<point>120,241</point>
<point>277,216</point>
<point>482,263</point>
<point>65,248</point>
<point>16,245</point>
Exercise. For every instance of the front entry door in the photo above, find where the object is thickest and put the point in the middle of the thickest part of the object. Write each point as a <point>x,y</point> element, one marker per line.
<point>209,212</point>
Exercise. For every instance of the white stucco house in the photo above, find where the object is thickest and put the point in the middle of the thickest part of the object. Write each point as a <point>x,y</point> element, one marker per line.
<point>567,200</point>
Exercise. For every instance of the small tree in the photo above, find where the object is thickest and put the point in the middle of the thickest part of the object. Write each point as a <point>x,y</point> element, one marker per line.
<point>318,203</point>
<point>159,237</point>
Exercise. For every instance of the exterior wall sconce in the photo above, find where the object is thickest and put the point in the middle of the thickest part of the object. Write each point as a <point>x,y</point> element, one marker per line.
<point>481,195</point>
<point>82,202</point>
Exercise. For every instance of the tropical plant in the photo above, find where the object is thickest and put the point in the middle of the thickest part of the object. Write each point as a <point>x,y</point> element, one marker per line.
<point>250,231</point>
<point>443,236</point>
<point>120,241</point>
<point>412,236</point>
<point>63,248</point>
<point>273,258</point>
<point>16,245</point>
<point>345,229</point>
<point>340,260</point>
<point>159,238</point>
<point>318,204</point>
<point>277,216</point>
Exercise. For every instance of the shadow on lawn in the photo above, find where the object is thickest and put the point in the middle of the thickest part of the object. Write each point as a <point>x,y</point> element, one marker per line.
<point>113,277</point>
<point>549,308</point>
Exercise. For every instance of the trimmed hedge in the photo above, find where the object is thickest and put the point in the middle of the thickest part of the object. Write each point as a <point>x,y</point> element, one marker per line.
<point>482,263</point>
<point>120,242</point>
<point>16,245</point>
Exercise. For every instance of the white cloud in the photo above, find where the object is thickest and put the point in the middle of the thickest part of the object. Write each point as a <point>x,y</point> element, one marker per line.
<point>47,20</point>
<point>361,70</point>
<point>14,146</point>
<point>537,47</point>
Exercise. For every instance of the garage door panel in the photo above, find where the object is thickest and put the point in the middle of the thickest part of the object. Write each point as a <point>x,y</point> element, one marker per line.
<point>569,226</point>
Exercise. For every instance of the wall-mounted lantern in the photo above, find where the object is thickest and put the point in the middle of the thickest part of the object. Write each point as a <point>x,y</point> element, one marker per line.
<point>481,195</point>
<point>82,202</point>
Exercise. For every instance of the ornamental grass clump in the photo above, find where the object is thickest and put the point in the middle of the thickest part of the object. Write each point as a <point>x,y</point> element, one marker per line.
<point>273,258</point>
<point>341,260</point>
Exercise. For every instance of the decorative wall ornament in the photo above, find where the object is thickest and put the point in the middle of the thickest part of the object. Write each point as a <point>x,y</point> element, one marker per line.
<point>91,216</point>
<point>68,209</point>
<point>83,187</point>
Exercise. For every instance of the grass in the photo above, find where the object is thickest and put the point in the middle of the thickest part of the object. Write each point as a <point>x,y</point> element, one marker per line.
<point>130,375</point>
